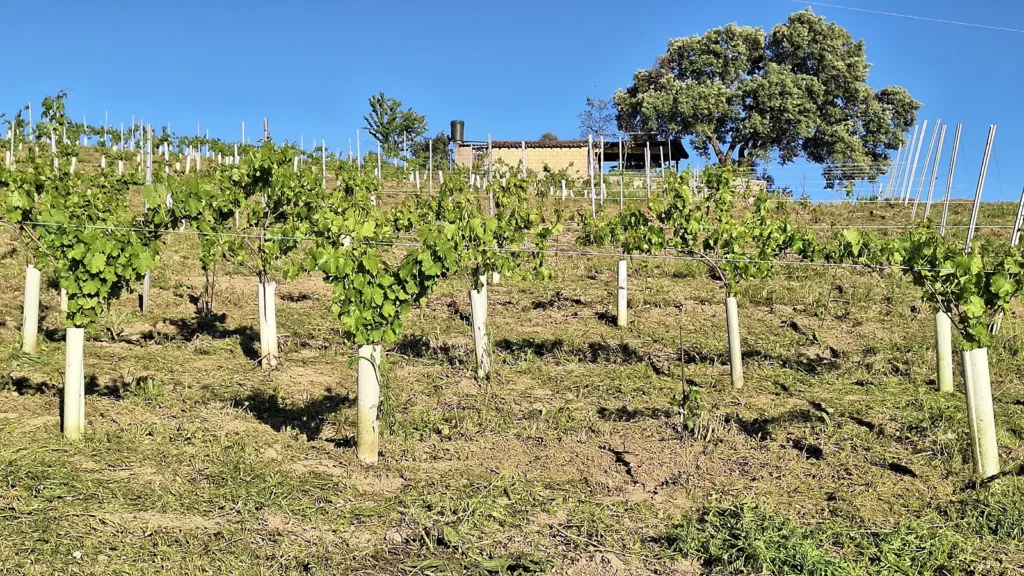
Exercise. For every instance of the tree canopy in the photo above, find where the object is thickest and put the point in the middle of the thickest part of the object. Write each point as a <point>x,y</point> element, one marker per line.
<point>549,137</point>
<point>745,97</point>
<point>391,125</point>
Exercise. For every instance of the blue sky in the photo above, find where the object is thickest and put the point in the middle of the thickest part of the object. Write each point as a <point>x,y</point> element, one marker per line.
<point>512,70</point>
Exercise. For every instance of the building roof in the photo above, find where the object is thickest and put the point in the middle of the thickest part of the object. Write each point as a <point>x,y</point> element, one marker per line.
<point>539,143</point>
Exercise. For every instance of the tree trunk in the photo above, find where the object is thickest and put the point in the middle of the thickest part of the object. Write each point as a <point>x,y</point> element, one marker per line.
<point>206,300</point>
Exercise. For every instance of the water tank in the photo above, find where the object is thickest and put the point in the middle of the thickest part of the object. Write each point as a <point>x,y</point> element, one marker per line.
<point>458,130</point>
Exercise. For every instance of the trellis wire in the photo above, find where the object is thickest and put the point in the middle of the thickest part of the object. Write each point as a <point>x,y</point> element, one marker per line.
<point>518,250</point>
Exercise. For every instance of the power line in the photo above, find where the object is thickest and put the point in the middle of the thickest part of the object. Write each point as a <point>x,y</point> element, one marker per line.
<point>912,17</point>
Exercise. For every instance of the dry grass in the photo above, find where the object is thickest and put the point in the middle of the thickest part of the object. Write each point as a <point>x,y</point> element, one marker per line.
<point>839,457</point>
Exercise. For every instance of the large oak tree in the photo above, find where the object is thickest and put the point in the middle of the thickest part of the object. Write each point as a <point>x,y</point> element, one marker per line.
<point>745,97</point>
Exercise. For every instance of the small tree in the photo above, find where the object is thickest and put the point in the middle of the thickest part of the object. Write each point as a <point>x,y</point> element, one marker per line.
<point>279,201</point>
<point>391,125</point>
<point>421,151</point>
<point>549,137</point>
<point>598,119</point>
<point>371,293</point>
<point>210,210</point>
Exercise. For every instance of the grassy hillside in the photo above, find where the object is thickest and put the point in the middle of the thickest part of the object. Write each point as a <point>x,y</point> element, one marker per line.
<point>838,457</point>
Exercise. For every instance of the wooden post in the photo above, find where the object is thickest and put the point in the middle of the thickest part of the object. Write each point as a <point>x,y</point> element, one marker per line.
<point>590,170</point>
<point>600,167</point>
<point>380,174</point>
<point>430,165</point>
<point>524,158</point>
<point>647,167</point>
<point>490,158</point>
<point>949,179</point>
<point>490,199</point>
<point>323,160</point>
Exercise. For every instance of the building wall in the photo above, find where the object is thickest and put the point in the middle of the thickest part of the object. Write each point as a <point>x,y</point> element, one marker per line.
<point>573,159</point>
